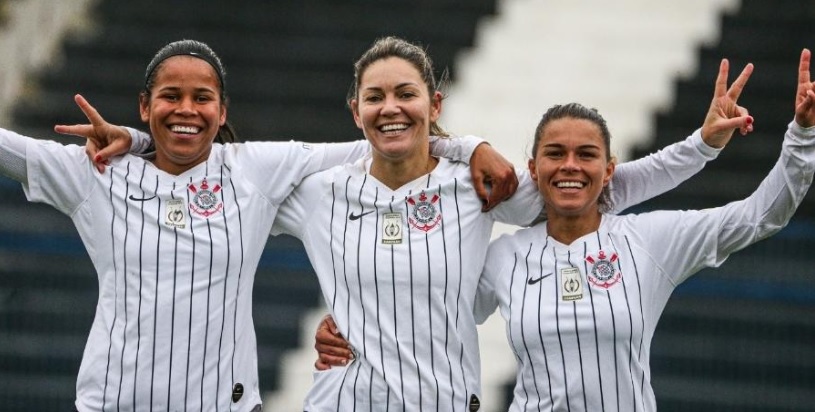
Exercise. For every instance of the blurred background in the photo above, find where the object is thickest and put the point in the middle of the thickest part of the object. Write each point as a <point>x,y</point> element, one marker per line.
<point>739,338</point>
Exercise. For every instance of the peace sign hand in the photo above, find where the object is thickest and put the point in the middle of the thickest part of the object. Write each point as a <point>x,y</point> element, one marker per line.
<point>104,139</point>
<point>725,115</point>
<point>805,96</point>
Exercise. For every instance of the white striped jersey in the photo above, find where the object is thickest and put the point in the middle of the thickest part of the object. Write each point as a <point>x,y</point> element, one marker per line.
<point>399,270</point>
<point>580,317</point>
<point>176,259</point>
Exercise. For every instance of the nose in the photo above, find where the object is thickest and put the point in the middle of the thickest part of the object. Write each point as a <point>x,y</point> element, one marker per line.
<point>570,163</point>
<point>186,106</point>
<point>390,106</point>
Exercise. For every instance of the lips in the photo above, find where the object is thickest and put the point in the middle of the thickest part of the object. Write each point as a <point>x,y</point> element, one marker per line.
<point>393,127</point>
<point>570,184</point>
<point>182,129</point>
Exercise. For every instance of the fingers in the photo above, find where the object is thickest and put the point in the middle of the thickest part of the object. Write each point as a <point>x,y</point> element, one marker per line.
<point>735,89</point>
<point>480,184</point>
<point>115,148</point>
<point>721,79</point>
<point>803,67</point>
<point>329,342</point>
<point>332,327</point>
<point>90,112</point>
<point>327,361</point>
<point>92,152</point>
<point>743,123</point>
<point>320,365</point>
<point>81,130</point>
<point>747,125</point>
<point>503,187</point>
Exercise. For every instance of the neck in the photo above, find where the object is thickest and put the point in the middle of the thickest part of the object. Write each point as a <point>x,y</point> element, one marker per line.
<point>396,173</point>
<point>567,229</point>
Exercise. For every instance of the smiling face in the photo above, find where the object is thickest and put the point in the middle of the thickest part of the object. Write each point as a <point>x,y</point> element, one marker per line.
<point>571,167</point>
<point>184,111</point>
<point>395,109</point>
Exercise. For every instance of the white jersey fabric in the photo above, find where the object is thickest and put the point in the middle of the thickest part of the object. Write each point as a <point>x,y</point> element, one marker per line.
<point>399,271</point>
<point>580,317</point>
<point>176,259</point>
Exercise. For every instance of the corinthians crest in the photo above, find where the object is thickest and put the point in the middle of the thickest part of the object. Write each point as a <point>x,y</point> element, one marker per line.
<point>423,214</point>
<point>603,273</point>
<point>205,201</point>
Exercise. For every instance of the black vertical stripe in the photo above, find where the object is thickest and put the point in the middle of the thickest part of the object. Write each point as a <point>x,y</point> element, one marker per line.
<point>345,278</point>
<point>430,307</point>
<point>124,278</point>
<point>155,304</point>
<point>642,318</point>
<point>446,311</point>
<point>227,271</point>
<point>614,336</point>
<point>115,286</point>
<point>577,334</point>
<point>525,286</point>
<point>141,255</point>
<point>458,294</point>
<point>590,291</point>
<point>330,243</point>
<point>192,289</point>
<point>206,330</point>
<point>614,347</point>
<point>172,311</point>
<point>240,276</point>
<point>512,333</point>
<point>630,334</point>
<point>359,271</point>
<point>540,326</point>
<point>378,321</point>
<point>334,266</point>
<point>559,337</point>
<point>359,290</point>
<point>412,300</point>
<point>430,316</point>
<point>395,311</point>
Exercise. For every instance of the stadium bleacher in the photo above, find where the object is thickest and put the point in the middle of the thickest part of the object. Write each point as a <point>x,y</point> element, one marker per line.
<point>738,338</point>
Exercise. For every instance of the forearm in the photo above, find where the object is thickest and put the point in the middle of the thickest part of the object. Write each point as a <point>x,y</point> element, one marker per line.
<point>341,153</point>
<point>774,202</point>
<point>639,180</point>
<point>455,148</point>
<point>12,155</point>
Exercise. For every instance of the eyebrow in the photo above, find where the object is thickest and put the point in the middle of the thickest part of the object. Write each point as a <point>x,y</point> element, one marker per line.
<point>560,146</point>
<point>398,86</point>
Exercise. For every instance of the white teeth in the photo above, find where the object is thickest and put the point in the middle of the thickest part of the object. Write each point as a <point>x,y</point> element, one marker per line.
<point>569,184</point>
<point>185,129</point>
<point>393,127</point>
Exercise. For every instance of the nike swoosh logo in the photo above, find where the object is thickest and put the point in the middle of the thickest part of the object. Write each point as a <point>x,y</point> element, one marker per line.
<point>141,199</point>
<point>352,216</point>
<point>534,281</point>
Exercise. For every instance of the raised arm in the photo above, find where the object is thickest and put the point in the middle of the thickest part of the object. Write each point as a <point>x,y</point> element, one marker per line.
<point>637,181</point>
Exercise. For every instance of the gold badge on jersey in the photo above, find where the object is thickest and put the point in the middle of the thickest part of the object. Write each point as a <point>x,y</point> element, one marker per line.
<point>571,284</point>
<point>174,216</point>
<point>392,228</point>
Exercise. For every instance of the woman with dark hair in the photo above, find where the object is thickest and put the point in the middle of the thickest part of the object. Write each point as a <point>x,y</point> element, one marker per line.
<point>582,292</point>
<point>175,238</point>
